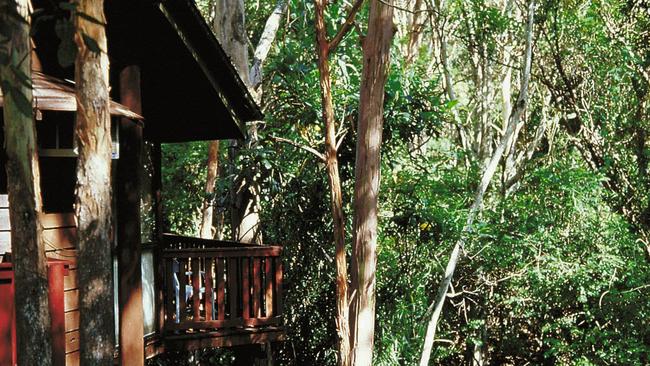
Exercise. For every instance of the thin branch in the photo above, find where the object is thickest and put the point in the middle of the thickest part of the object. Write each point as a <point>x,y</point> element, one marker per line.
<point>345,28</point>
<point>265,42</point>
<point>414,12</point>
<point>320,156</point>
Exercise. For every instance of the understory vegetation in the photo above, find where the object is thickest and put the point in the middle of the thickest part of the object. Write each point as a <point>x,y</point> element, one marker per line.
<point>557,267</point>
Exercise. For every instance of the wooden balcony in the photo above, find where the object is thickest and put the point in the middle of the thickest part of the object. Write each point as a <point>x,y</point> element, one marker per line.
<point>220,294</point>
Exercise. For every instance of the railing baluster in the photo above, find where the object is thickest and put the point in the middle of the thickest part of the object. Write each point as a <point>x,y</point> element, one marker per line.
<point>182,289</point>
<point>278,286</point>
<point>171,290</point>
<point>196,289</point>
<point>245,289</point>
<point>209,297</point>
<point>257,287</point>
<point>268,291</point>
<point>231,284</point>
<point>232,287</point>
<point>221,289</point>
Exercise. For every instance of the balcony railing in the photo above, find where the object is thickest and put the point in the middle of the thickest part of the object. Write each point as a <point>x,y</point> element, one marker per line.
<point>216,285</point>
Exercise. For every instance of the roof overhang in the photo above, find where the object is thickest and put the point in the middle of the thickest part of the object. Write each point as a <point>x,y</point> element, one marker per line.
<point>190,90</point>
<point>53,94</point>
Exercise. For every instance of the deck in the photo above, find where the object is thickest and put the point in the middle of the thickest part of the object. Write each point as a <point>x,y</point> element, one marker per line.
<point>220,294</point>
<point>232,292</point>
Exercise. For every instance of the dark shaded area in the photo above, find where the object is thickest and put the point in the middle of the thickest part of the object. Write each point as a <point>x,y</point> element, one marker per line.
<point>190,90</point>
<point>3,158</point>
<point>57,183</point>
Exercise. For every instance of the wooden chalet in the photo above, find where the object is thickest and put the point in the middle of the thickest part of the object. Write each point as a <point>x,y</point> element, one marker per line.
<point>171,82</point>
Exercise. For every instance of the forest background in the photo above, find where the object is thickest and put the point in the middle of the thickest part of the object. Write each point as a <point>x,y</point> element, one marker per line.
<point>556,267</point>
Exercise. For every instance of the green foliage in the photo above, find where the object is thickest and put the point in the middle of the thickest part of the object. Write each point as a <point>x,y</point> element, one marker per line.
<point>555,270</point>
<point>184,173</point>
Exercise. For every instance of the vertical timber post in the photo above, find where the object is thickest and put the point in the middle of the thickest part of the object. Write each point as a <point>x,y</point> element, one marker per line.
<point>156,156</point>
<point>129,249</point>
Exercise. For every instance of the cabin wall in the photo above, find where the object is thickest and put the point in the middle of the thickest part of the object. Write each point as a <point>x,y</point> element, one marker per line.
<point>59,234</point>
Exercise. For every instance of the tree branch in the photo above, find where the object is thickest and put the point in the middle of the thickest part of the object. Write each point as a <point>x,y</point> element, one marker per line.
<point>320,156</point>
<point>265,42</point>
<point>345,28</point>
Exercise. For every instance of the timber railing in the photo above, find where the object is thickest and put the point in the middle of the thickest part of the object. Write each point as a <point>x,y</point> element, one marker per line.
<point>214,285</point>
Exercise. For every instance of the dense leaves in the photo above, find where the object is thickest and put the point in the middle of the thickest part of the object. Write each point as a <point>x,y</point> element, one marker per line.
<point>556,269</point>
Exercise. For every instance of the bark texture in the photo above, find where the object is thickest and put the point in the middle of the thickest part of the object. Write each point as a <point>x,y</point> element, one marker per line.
<point>29,262</point>
<point>376,61</point>
<point>207,212</point>
<point>336,195</point>
<point>230,27</point>
<point>93,192</point>
<point>264,46</point>
<point>488,173</point>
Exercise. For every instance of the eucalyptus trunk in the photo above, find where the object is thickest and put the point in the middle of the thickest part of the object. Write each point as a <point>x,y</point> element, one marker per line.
<point>336,195</point>
<point>230,27</point>
<point>93,191</point>
<point>376,62</point>
<point>27,246</point>
<point>207,211</point>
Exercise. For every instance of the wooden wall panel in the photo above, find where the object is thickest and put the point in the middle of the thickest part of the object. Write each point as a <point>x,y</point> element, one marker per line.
<point>72,359</point>
<point>70,281</point>
<point>71,320</point>
<point>60,238</point>
<point>72,341</point>
<point>59,233</point>
<point>71,300</point>
<point>57,220</point>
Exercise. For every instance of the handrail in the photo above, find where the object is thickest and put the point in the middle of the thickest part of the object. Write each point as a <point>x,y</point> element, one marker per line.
<point>173,241</point>
<point>260,251</point>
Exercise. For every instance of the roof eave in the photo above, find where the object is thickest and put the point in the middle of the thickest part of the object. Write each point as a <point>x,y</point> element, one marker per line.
<point>186,19</point>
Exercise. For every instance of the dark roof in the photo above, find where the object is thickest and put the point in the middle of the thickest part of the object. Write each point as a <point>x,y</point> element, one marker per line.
<point>53,94</point>
<point>190,89</point>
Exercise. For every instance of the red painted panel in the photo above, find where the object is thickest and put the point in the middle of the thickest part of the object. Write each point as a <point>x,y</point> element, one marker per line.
<point>57,269</point>
<point>7,316</point>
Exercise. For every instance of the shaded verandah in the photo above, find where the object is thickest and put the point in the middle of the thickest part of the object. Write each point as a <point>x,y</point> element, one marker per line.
<point>147,41</point>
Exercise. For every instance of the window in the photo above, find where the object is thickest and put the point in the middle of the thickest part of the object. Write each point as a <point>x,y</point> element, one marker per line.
<point>3,172</point>
<point>57,160</point>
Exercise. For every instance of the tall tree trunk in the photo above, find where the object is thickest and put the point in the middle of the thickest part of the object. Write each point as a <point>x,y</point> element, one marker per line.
<point>376,61</point>
<point>264,46</point>
<point>445,61</point>
<point>230,27</point>
<point>93,192</point>
<point>336,195</point>
<point>207,212</point>
<point>490,169</point>
<point>415,31</point>
<point>29,262</point>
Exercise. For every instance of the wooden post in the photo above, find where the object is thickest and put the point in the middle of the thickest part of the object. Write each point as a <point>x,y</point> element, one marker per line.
<point>56,272</point>
<point>156,157</point>
<point>21,164</point>
<point>129,249</point>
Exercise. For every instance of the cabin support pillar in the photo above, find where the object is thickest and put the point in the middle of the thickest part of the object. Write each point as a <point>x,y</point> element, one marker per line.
<point>129,249</point>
